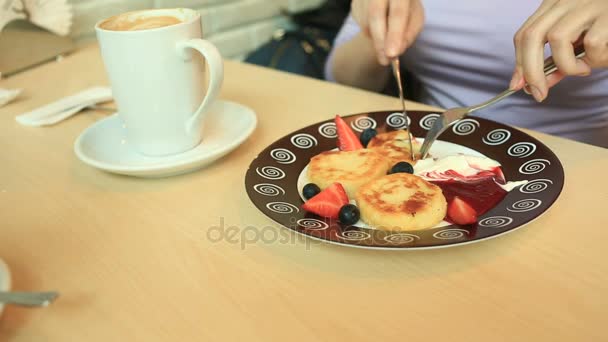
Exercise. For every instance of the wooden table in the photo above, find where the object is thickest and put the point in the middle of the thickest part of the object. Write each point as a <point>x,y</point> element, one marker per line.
<point>133,260</point>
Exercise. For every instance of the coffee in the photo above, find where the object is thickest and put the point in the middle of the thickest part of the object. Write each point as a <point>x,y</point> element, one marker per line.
<point>132,22</point>
<point>165,115</point>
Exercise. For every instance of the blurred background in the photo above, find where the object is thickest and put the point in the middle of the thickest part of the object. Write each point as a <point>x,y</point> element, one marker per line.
<point>292,35</point>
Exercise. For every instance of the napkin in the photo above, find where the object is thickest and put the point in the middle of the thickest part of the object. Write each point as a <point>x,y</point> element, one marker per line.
<point>8,95</point>
<point>62,109</point>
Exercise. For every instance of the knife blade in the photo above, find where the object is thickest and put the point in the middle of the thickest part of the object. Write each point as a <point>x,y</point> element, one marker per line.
<point>397,73</point>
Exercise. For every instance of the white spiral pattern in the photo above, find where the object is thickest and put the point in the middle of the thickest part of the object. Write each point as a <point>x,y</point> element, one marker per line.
<point>282,207</point>
<point>268,189</point>
<point>428,121</point>
<point>465,126</point>
<point>398,121</point>
<point>270,172</point>
<point>535,186</point>
<point>533,166</point>
<point>283,155</point>
<point>497,137</point>
<point>401,238</point>
<point>328,130</point>
<point>363,123</point>
<point>495,222</point>
<point>450,234</point>
<point>354,235</point>
<point>312,224</point>
<point>525,205</point>
<point>304,140</point>
<point>521,149</point>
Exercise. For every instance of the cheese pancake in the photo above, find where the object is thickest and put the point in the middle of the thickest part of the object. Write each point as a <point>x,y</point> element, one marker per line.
<point>401,201</point>
<point>394,145</point>
<point>349,168</point>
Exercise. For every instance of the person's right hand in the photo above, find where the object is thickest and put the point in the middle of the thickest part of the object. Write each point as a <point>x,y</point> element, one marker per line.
<point>392,25</point>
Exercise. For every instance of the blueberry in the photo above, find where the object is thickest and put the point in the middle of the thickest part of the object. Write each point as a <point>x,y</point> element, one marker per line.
<point>367,135</point>
<point>349,214</point>
<point>402,167</point>
<point>310,190</point>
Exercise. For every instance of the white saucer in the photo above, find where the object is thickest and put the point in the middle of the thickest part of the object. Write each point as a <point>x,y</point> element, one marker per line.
<point>103,144</point>
<point>5,280</point>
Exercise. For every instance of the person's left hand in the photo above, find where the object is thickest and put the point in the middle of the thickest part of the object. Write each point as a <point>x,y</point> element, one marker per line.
<point>560,23</point>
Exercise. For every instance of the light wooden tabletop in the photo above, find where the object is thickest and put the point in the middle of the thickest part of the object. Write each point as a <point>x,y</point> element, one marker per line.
<point>133,260</point>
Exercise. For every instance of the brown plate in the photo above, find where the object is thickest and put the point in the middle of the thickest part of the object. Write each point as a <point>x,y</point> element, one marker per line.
<point>271,180</point>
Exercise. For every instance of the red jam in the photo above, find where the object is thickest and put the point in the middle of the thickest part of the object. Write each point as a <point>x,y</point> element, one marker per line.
<point>482,193</point>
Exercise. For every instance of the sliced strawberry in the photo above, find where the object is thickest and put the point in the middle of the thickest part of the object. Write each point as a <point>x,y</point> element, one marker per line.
<point>460,212</point>
<point>328,202</point>
<point>347,140</point>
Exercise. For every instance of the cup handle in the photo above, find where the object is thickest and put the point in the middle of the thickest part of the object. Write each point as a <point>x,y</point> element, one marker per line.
<point>216,75</point>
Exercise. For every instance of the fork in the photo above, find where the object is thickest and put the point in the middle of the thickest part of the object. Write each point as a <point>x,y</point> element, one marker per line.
<point>453,115</point>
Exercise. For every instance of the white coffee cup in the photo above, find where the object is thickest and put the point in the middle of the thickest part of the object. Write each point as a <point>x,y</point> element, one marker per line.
<point>157,79</point>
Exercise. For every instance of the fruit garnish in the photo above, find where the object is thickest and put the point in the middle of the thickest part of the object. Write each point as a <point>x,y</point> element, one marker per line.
<point>310,190</point>
<point>328,202</point>
<point>499,175</point>
<point>367,135</point>
<point>347,140</point>
<point>460,212</point>
<point>401,167</point>
<point>349,214</point>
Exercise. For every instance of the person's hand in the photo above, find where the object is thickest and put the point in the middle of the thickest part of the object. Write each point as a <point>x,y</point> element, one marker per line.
<point>392,25</point>
<point>560,23</point>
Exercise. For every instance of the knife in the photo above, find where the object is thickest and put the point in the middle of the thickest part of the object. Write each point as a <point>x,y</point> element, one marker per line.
<point>28,298</point>
<point>397,74</point>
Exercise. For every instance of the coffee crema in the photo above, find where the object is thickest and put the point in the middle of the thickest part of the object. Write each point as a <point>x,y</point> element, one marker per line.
<point>126,22</point>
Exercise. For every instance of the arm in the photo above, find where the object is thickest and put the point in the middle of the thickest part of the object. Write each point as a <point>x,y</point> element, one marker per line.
<point>354,63</point>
